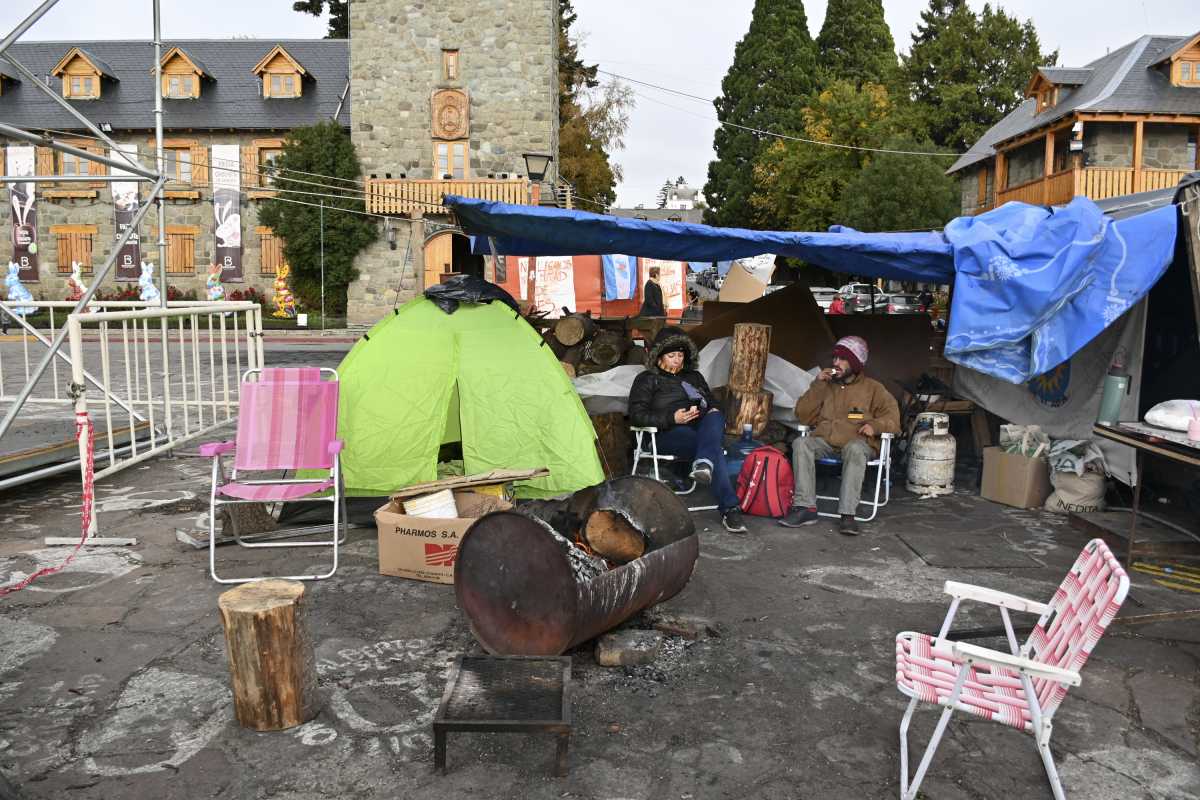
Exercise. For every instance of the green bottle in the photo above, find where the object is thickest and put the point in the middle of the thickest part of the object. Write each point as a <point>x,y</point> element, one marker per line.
<point>1116,385</point>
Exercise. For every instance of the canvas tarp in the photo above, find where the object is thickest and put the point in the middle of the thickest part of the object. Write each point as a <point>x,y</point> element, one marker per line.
<point>481,376</point>
<point>1033,285</point>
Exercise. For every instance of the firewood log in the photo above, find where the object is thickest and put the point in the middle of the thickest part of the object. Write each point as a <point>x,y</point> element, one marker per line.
<point>748,364</point>
<point>573,329</point>
<point>747,407</point>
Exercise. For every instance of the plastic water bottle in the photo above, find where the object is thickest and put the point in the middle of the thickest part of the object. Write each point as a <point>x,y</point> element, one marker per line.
<point>735,454</point>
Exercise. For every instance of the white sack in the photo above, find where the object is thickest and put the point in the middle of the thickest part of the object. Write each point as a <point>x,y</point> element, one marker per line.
<point>1173,414</point>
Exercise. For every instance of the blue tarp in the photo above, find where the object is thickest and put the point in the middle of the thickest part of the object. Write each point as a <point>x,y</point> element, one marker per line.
<point>1033,284</point>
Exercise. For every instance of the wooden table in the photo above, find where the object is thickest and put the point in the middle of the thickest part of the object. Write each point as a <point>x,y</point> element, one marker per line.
<point>1145,440</point>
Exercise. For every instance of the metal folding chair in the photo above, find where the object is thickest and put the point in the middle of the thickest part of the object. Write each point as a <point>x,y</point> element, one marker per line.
<point>287,421</point>
<point>642,435</point>
<point>1022,688</point>
<point>883,476</point>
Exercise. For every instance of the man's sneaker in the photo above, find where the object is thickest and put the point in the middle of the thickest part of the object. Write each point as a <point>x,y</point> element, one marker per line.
<point>733,522</point>
<point>848,525</point>
<point>702,470</point>
<point>799,517</point>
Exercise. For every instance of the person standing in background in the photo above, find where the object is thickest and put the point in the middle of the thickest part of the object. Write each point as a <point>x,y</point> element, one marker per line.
<point>652,297</point>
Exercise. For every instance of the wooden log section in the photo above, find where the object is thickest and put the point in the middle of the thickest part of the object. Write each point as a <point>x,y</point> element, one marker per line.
<point>573,329</point>
<point>751,407</point>
<point>271,660</point>
<point>612,537</point>
<point>608,348</point>
<point>635,356</point>
<point>554,344</point>
<point>614,441</point>
<point>573,356</point>
<point>748,364</point>
<point>568,368</point>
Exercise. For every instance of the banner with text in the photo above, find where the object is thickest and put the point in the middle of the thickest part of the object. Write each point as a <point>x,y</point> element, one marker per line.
<point>126,199</point>
<point>554,285</point>
<point>21,161</point>
<point>227,212</point>
<point>671,279</point>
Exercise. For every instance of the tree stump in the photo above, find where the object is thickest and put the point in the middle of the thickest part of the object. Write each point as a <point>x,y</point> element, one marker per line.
<point>748,407</point>
<point>614,441</point>
<point>573,329</point>
<point>271,660</point>
<point>748,364</point>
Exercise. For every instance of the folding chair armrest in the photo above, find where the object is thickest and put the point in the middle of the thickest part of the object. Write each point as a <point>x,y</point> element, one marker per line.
<point>336,446</point>
<point>213,449</point>
<point>887,436</point>
<point>643,429</point>
<point>973,652</point>
<point>965,591</point>
<point>804,430</point>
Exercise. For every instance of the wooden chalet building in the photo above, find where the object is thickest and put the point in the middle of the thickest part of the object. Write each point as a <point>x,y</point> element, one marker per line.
<point>1125,123</point>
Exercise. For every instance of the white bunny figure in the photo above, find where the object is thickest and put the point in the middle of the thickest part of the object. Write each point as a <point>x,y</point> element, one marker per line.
<point>76,288</point>
<point>229,226</point>
<point>17,291</point>
<point>149,293</point>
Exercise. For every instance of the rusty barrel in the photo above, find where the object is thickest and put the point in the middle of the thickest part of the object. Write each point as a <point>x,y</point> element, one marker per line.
<point>516,585</point>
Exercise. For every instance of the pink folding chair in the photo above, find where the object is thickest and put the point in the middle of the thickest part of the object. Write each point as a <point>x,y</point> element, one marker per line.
<point>1023,688</point>
<point>287,421</point>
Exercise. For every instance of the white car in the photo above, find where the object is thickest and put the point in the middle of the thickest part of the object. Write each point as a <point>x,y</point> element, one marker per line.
<point>824,296</point>
<point>858,297</point>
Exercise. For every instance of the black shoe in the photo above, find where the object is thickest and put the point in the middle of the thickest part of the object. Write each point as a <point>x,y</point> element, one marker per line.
<point>702,471</point>
<point>799,517</point>
<point>848,525</point>
<point>733,522</point>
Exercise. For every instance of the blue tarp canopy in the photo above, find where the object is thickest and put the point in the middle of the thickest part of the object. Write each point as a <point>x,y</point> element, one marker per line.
<point>1033,285</point>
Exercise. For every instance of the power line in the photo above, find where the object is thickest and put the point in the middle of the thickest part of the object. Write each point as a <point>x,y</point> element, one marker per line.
<point>762,132</point>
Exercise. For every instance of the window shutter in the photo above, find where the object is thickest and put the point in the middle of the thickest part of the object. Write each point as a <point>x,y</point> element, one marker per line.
<point>199,165</point>
<point>45,162</point>
<point>95,167</point>
<point>250,166</point>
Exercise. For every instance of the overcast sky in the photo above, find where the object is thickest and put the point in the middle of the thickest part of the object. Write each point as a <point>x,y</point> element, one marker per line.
<point>681,44</point>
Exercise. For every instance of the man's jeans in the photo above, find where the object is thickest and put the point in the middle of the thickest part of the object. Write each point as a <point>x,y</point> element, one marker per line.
<point>855,455</point>
<point>703,440</point>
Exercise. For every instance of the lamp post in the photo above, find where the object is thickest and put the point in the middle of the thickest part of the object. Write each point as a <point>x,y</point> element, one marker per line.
<point>536,165</point>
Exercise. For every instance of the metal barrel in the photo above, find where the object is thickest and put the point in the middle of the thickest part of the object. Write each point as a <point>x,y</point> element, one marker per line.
<point>515,584</point>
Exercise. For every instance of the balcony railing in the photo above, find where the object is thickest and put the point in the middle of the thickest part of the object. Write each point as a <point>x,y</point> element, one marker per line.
<point>1098,183</point>
<point>393,196</point>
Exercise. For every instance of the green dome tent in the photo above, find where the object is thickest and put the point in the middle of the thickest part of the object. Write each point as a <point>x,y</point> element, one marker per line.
<point>422,377</point>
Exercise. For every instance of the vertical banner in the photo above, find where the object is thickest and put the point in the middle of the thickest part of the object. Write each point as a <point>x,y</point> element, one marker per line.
<point>227,212</point>
<point>555,285</point>
<point>619,272</point>
<point>21,161</point>
<point>126,200</point>
<point>671,279</point>
<point>523,277</point>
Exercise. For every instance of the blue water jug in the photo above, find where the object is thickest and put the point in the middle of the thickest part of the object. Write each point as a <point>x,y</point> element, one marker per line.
<point>736,453</point>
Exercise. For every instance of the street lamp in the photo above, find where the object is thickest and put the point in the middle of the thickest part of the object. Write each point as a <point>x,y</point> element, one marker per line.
<point>536,165</point>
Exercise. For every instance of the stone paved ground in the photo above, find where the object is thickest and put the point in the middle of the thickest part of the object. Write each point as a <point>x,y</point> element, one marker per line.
<point>113,677</point>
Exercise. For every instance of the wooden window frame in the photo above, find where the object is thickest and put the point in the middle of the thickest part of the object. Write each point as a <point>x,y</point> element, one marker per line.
<point>76,249</point>
<point>269,90</point>
<point>184,92</point>
<point>269,244</point>
<point>175,233</point>
<point>451,64</point>
<point>198,158</point>
<point>177,151</point>
<point>176,65</point>
<point>451,145</point>
<point>1194,70</point>
<point>280,62</point>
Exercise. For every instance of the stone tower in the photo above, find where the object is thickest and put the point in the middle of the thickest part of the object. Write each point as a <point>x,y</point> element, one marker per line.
<point>445,95</point>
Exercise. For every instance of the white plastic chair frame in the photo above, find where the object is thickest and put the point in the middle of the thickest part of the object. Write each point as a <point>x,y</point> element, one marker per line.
<point>653,456</point>
<point>337,498</point>
<point>883,477</point>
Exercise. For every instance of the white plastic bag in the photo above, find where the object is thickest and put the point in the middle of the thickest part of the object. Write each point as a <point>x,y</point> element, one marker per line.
<point>1173,414</point>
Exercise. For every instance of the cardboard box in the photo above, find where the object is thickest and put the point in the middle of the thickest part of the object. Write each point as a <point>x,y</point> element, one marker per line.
<point>424,548</point>
<point>1014,479</point>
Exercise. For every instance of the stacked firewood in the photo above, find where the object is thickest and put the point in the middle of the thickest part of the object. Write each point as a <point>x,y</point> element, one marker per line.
<point>583,348</point>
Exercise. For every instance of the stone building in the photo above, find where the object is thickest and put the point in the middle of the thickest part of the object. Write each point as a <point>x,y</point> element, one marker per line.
<point>227,106</point>
<point>1125,123</point>
<point>446,98</point>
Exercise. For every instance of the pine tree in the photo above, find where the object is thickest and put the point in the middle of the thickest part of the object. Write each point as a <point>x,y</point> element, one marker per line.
<point>322,149</point>
<point>965,71</point>
<point>774,70</point>
<point>339,15</point>
<point>856,43</point>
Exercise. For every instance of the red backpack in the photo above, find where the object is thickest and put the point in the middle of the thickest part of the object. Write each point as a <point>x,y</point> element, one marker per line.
<point>765,485</point>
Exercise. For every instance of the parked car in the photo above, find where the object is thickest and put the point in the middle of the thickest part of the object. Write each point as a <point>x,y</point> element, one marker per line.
<point>858,297</point>
<point>904,304</point>
<point>824,296</point>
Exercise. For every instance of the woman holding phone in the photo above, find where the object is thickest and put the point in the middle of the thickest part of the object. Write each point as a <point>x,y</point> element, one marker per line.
<point>673,396</point>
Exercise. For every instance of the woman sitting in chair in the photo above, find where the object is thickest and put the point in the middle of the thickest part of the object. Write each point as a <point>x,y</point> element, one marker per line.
<point>672,396</point>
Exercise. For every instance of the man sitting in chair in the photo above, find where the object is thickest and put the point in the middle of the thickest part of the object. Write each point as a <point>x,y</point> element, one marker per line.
<point>673,396</point>
<point>847,412</point>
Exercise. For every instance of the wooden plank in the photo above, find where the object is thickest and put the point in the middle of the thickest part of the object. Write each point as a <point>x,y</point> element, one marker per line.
<point>1138,132</point>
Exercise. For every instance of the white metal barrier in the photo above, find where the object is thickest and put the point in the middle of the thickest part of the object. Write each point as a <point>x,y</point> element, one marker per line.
<point>165,376</point>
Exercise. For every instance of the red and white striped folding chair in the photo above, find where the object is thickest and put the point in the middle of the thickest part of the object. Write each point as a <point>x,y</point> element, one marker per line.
<point>287,421</point>
<point>1023,688</point>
